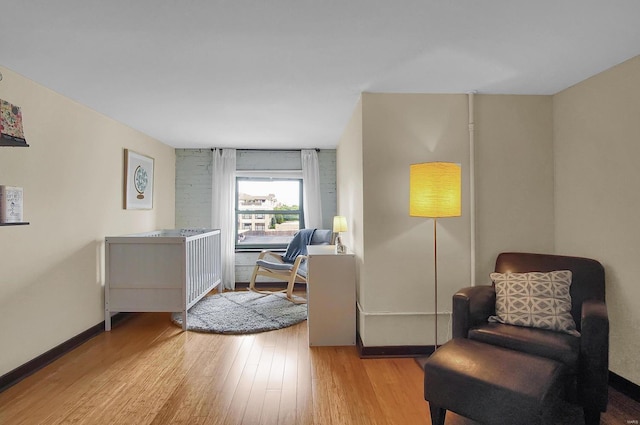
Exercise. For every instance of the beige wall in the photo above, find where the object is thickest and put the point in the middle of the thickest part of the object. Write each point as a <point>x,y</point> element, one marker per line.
<point>349,185</point>
<point>385,135</point>
<point>51,284</point>
<point>397,277</point>
<point>514,197</point>
<point>597,148</point>
<point>514,177</point>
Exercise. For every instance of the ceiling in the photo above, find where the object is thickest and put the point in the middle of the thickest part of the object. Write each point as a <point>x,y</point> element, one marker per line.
<point>288,73</point>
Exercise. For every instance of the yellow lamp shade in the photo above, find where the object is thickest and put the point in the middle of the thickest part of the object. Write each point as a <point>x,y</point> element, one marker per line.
<point>435,190</point>
<point>339,224</point>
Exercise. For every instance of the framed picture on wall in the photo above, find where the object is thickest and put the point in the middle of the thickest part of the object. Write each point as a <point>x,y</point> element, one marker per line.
<point>138,181</point>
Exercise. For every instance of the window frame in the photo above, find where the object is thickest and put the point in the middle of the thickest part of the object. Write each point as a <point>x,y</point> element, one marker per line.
<point>275,175</point>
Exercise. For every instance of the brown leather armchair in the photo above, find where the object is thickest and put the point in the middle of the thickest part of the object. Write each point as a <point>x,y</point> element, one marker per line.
<point>586,357</point>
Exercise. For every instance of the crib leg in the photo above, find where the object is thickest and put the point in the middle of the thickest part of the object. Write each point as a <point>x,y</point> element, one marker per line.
<point>184,320</point>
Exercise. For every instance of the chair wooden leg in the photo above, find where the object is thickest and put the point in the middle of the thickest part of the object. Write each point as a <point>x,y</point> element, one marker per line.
<point>252,282</point>
<point>290,286</point>
<point>437,414</point>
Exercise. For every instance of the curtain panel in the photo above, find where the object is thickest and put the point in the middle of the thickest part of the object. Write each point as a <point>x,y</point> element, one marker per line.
<point>223,175</point>
<point>312,203</point>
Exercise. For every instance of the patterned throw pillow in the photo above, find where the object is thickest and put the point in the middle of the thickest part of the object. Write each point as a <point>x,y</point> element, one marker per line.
<point>536,299</point>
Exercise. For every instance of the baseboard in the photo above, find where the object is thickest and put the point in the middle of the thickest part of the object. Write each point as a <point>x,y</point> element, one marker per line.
<point>392,350</point>
<point>625,386</point>
<point>21,372</point>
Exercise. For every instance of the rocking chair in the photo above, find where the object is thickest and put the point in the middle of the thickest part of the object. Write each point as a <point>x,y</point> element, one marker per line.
<point>290,266</point>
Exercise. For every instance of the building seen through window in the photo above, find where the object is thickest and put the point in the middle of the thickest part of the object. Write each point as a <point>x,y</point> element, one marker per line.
<point>268,211</point>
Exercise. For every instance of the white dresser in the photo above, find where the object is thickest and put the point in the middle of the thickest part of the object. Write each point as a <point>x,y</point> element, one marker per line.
<point>331,297</point>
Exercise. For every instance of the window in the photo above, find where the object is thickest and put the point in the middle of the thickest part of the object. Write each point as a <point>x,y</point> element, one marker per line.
<point>275,206</point>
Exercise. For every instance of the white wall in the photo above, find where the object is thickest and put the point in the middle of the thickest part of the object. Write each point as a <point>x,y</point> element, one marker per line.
<point>597,148</point>
<point>51,284</point>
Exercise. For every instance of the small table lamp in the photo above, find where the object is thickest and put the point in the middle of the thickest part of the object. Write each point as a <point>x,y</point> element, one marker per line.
<point>339,225</point>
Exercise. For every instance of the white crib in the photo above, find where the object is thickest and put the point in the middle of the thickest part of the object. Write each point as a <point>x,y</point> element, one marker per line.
<point>165,270</point>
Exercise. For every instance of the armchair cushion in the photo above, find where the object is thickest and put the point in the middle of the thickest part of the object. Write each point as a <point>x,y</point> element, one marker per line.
<point>535,299</point>
<point>557,346</point>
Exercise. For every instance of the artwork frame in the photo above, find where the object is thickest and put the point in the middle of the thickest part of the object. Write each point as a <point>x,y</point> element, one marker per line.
<point>138,181</point>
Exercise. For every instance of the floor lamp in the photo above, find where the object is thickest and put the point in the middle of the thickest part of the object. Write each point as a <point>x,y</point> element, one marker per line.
<point>435,192</point>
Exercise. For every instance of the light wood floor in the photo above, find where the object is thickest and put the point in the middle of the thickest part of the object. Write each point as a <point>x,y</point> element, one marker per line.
<point>147,371</point>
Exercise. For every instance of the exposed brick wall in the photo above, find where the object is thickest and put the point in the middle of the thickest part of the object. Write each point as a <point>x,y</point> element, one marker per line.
<point>327,161</point>
<point>193,188</point>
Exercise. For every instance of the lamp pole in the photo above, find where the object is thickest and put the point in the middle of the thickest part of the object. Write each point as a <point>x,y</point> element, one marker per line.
<point>435,280</point>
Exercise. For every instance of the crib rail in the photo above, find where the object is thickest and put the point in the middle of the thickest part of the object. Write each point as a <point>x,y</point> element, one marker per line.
<point>203,265</point>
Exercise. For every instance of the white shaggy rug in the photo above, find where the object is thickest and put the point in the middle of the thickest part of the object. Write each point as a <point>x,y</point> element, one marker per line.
<point>242,312</point>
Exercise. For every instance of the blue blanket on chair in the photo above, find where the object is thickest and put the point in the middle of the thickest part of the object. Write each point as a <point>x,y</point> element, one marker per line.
<point>298,245</point>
